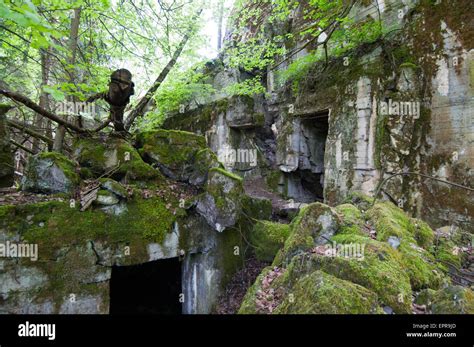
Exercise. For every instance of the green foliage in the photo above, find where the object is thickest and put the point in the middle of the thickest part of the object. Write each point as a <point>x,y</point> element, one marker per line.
<point>248,87</point>
<point>328,28</point>
<point>178,91</point>
<point>35,41</point>
<point>298,69</point>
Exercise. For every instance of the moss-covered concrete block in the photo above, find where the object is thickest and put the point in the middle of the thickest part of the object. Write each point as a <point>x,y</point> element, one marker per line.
<point>113,155</point>
<point>180,155</point>
<point>220,204</point>
<point>314,225</point>
<point>267,238</point>
<point>322,293</point>
<point>380,270</point>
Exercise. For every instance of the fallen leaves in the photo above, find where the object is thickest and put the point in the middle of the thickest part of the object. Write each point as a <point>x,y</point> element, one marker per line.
<point>267,298</point>
<point>19,198</point>
<point>230,301</point>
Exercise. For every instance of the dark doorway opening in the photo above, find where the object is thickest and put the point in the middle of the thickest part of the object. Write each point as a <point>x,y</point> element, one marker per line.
<point>149,288</point>
<point>315,132</point>
<point>307,183</point>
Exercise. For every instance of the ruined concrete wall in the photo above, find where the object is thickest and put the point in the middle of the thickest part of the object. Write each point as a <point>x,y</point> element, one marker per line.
<point>424,62</point>
<point>71,251</point>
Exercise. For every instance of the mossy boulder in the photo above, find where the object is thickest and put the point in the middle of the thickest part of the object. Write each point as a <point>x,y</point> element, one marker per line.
<point>6,153</point>
<point>416,241</point>
<point>390,270</point>
<point>267,238</point>
<point>50,173</point>
<point>448,300</point>
<point>379,270</point>
<point>421,266</point>
<point>322,293</point>
<point>352,220</point>
<point>180,155</point>
<point>220,204</point>
<point>116,156</point>
<point>314,225</point>
<point>389,220</point>
<point>447,247</point>
<point>313,292</point>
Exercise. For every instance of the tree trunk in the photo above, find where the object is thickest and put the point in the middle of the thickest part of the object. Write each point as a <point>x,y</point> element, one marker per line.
<point>76,20</point>
<point>220,20</point>
<point>43,100</point>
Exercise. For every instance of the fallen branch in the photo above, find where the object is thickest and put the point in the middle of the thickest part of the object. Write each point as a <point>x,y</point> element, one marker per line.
<point>33,133</point>
<point>29,131</point>
<point>103,125</point>
<point>38,109</point>
<point>16,144</point>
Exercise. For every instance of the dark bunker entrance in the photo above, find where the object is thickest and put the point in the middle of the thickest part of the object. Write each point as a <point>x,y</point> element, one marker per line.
<point>308,180</point>
<point>149,288</point>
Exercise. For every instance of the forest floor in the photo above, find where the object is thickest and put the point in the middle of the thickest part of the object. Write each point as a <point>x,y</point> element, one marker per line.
<point>229,302</point>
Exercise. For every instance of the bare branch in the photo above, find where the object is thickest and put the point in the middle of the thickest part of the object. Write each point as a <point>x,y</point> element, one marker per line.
<point>38,109</point>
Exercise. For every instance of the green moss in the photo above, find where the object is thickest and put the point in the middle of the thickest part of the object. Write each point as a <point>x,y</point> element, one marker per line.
<point>362,201</point>
<point>446,249</point>
<point>315,221</point>
<point>380,271</point>
<point>97,156</point>
<point>230,252</point>
<point>453,300</point>
<point>273,180</point>
<point>54,224</point>
<point>352,219</point>
<point>445,254</point>
<point>424,235</point>
<point>226,173</point>
<point>6,212</point>
<point>424,297</point>
<point>409,65</point>
<point>267,238</point>
<point>321,293</point>
<point>259,119</point>
<point>421,267</point>
<point>113,187</point>
<point>90,154</point>
<point>381,138</point>
<point>389,220</point>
